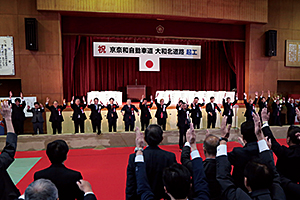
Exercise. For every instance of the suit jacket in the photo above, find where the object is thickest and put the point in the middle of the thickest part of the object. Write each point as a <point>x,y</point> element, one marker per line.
<point>129,114</point>
<point>199,182</point>
<point>250,108</point>
<point>161,111</point>
<point>112,112</point>
<point>292,190</point>
<point>262,105</point>
<point>156,160</point>
<point>64,179</point>
<point>78,112</point>
<point>276,109</point>
<point>288,162</point>
<point>228,107</point>
<point>183,120</point>
<point>239,157</point>
<point>17,111</point>
<point>56,113</point>
<point>209,166</point>
<point>37,115</point>
<point>209,109</point>
<point>230,191</point>
<point>196,110</point>
<point>145,111</point>
<point>8,190</point>
<point>96,113</point>
<point>291,109</point>
<point>90,197</point>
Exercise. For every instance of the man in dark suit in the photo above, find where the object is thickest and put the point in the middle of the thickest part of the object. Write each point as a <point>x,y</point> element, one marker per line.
<point>277,107</point>
<point>228,108</point>
<point>263,102</point>
<point>211,109</point>
<point>209,164</point>
<point>161,111</point>
<point>96,116</point>
<point>78,115</point>
<point>112,115</point>
<point>176,178</point>
<point>56,117</point>
<point>260,176</point>
<point>196,112</point>
<point>145,112</point>
<point>156,160</point>
<point>18,115</point>
<point>129,115</point>
<point>8,190</point>
<point>64,178</point>
<point>250,106</point>
<point>37,119</point>
<point>291,111</point>
<point>183,122</point>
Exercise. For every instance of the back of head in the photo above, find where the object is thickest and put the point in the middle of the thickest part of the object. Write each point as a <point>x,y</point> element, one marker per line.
<point>210,144</point>
<point>57,151</point>
<point>41,189</point>
<point>248,132</point>
<point>292,131</point>
<point>176,179</point>
<point>259,175</point>
<point>153,135</point>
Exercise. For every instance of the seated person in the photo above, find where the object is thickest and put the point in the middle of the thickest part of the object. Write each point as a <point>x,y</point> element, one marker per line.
<point>176,178</point>
<point>260,176</point>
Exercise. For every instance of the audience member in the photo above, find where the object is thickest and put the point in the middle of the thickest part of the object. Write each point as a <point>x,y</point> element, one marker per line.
<point>41,189</point>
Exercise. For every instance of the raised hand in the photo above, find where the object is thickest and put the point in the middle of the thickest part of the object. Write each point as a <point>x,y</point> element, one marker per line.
<point>187,101</point>
<point>64,101</point>
<point>84,186</point>
<point>265,116</point>
<point>269,93</point>
<point>298,113</point>
<point>225,131</point>
<point>203,99</point>
<point>245,95</point>
<point>191,137</point>
<point>262,93</point>
<point>151,97</point>
<point>91,101</point>
<point>47,99</point>
<point>169,96</point>
<point>21,95</point>
<point>257,126</point>
<point>41,105</point>
<point>256,93</point>
<point>139,138</point>
<point>225,95</point>
<point>83,99</point>
<point>207,133</point>
<point>143,96</point>
<point>241,141</point>
<point>5,110</point>
<point>10,94</point>
<point>72,98</point>
<point>156,95</point>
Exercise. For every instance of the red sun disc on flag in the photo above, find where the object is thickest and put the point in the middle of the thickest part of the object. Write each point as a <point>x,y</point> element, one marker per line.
<point>149,63</point>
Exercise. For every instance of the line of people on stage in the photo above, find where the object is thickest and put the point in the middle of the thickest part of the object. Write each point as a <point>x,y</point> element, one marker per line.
<point>185,112</point>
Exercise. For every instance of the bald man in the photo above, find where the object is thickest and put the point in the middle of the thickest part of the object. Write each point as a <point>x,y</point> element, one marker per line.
<point>210,145</point>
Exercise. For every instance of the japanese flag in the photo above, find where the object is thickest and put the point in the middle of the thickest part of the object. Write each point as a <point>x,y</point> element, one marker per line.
<point>149,63</point>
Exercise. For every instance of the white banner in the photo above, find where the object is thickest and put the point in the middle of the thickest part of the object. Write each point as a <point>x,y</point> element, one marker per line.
<point>29,102</point>
<point>148,54</point>
<point>104,96</point>
<point>7,66</point>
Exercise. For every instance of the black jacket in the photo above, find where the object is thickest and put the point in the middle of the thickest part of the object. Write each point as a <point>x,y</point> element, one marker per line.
<point>78,111</point>
<point>262,105</point>
<point>183,120</point>
<point>145,111</point>
<point>210,169</point>
<point>196,110</point>
<point>161,109</point>
<point>129,114</point>
<point>291,109</point>
<point>156,160</point>
<point>64,179</point>
<point>112,112</point>
<point>56,113</point>
<point>228,108</point>
<point>230,191</point>
<point>276,109</point>
<point>250,108</point>
<point>96,113</point>
<point>8,190</point>
<point>37,114</point>
<point>17,111</point>
<point>209,109</point>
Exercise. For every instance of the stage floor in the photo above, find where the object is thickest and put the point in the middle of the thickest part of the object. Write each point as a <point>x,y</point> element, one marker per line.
<point>105,169</point>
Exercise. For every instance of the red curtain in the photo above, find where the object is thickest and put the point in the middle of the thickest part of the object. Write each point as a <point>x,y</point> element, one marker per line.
<point>214,71</point>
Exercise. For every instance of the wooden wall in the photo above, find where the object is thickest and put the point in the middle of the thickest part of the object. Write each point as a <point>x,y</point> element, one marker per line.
<point>40,71</point>
<point>263,72</point>
<point>238,10</point>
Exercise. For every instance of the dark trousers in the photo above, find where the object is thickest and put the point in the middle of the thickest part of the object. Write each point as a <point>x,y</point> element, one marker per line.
<point>291,119</point>
<point>196,122</point>
<point>36,126</point>
<point>229,119</point>
<point>211,120</point>
<point>129,124</point>
<point>56,125</point>
<point>79,123</point>
<point>18,126</point>
<point>144,124</point>
<point>276,120</point>
<point>182,133</point>
<point>96,124</point>
<point>162,122</point>
<point>112,125</point>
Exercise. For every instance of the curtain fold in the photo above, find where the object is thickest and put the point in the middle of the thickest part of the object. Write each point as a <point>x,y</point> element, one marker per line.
<point>214,71</point>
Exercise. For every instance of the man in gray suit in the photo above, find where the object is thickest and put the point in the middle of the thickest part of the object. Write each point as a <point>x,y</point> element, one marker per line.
<point>37,119</point>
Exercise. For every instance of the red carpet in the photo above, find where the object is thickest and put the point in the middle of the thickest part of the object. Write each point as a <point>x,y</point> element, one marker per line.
<point>104,169</point>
